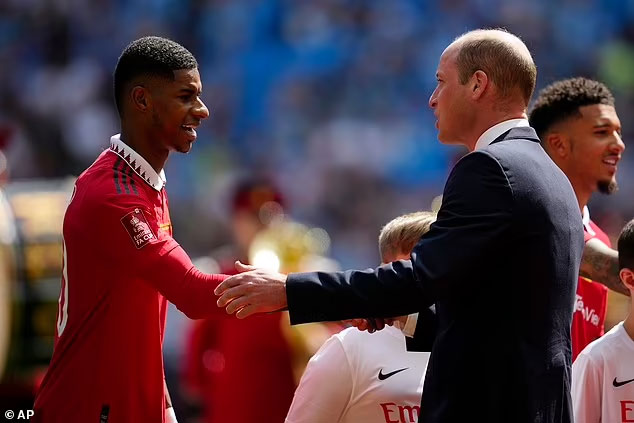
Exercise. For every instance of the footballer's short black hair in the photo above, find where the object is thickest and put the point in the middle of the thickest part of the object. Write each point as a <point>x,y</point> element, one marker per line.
<point>151,56</point>
<point>562,100</point>
<point>626,246</point>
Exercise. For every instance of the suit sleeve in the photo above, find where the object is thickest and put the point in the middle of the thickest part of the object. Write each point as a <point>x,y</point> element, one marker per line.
<point>154,257</point>
<point>325,388</point>
<point>472,221</point>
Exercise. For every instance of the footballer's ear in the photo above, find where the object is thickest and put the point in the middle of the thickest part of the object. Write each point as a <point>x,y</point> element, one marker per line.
<point>557,144</point>
<point>140,97</point>
<point>627,278</point>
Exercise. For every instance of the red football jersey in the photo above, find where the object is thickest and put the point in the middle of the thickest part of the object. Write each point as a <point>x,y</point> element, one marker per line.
<point>120,265</point>
<point>591,304</point>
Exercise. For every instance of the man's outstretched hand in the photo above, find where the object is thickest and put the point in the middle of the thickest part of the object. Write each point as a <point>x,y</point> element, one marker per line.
<point>252,291</point>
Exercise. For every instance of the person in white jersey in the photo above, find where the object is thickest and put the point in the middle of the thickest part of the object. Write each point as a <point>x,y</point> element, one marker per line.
<point>603,374</point>
<point>357,376</point>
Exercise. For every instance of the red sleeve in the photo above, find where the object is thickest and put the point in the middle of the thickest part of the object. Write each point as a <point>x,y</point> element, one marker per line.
<point>189,289</point>
<point>135,241</point>
<point>131,235</point>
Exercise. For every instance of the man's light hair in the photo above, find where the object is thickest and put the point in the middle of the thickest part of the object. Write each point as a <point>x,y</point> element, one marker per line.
<point>400,235</point>
<point>502,56</point>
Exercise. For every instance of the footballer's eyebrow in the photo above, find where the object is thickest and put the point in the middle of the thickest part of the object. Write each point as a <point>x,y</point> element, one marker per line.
<point>189,89</point>
<point>605,125</point>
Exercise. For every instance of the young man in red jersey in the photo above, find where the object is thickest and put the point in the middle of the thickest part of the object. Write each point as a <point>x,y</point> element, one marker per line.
<point>580,130</point>
<point>121,264</point>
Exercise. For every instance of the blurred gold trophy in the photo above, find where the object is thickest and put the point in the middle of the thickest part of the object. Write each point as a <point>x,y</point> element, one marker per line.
<point>286,246</point>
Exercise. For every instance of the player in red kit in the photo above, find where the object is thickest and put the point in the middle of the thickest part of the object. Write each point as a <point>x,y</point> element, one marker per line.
<point>121,264</point>
<point>579,128</point>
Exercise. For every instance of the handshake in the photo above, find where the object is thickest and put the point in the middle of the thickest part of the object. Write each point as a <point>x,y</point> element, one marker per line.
<point>256,290</point>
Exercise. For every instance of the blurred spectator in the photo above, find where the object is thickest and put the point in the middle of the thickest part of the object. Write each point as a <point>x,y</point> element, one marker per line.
<point>241,370</point>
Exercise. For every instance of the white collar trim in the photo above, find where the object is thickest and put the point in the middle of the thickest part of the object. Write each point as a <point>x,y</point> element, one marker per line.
<point>585,217</point>
<point>140,166</point>
<point>496,130</point>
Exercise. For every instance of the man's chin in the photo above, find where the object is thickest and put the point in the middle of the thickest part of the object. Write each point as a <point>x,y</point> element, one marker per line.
<point>608,187</point>
<point>183,147</point>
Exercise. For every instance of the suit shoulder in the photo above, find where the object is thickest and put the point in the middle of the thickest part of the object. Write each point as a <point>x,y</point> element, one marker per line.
<point>478,167</point>
<point>518,151</point>
<point>483,160</point>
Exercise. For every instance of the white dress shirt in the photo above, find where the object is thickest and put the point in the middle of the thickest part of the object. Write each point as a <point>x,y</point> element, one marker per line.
<point>496,130</point>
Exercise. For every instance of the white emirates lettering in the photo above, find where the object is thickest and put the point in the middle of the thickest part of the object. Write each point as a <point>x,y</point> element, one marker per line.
<point>589,315</point>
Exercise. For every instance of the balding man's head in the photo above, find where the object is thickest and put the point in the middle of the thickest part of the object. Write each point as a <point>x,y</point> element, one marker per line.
<point>502,56</point>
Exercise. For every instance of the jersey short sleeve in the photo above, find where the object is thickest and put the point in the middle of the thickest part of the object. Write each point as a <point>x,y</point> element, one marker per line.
<point>586,389</point>
<point>325,388</point>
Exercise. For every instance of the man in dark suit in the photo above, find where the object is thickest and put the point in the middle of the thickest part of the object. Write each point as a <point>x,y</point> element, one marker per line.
<point>500,263</point>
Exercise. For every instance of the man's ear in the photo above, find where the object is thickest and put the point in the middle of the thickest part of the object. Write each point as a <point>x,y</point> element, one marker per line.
<point>141,98</point>
<point>627,278</point>
<point>478,84</point>
<point>558,144</point>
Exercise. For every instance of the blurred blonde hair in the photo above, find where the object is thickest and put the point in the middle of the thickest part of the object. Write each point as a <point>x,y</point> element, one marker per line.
<point>400,235</point>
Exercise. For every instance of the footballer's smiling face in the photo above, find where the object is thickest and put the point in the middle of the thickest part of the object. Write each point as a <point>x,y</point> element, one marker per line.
<point>177,110</point>
<point>595,147</point>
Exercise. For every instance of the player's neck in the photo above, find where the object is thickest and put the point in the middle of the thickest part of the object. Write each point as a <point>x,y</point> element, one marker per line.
<point>582,196</point>
<point>145,148</point>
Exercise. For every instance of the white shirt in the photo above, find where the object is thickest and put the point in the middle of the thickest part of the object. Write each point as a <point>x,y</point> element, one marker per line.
<point>358,376</point>
<point>496,130</point>
<point>585,217</point>
<point>603,379</point>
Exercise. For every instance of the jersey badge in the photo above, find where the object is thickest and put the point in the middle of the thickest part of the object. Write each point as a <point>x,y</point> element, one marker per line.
<point>138,228</point>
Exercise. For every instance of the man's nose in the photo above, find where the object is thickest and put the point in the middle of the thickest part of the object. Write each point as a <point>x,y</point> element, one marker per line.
<point>433,102</point>
<point>201,111</point>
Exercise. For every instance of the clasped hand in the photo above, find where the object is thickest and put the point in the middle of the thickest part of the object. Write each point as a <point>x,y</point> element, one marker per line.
<point>254,290</point>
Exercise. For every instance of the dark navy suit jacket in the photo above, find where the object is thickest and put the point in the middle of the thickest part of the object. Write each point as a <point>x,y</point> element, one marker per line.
<point>501,265</point>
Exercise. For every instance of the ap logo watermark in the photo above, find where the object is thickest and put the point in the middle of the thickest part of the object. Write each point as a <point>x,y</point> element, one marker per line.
<point>18,414</point>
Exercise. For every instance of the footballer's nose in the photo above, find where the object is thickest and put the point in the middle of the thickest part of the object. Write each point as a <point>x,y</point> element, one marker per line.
<point>200,110</point>
<point>619,145</point>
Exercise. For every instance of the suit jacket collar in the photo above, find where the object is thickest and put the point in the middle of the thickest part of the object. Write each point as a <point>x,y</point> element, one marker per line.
<point>518,133</point>
<point>496,130</point>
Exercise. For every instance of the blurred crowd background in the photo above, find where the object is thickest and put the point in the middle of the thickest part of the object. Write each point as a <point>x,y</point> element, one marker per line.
<point>327,99</point>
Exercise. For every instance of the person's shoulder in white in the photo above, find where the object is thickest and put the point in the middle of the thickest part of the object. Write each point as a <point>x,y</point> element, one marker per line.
<point>353,339</point>
<point>601,375</point>
<point>603,346</point>
<point>347,380</point>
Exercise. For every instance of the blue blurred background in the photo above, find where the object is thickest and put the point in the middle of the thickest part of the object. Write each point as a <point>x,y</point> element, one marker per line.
<point>328,98</point>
